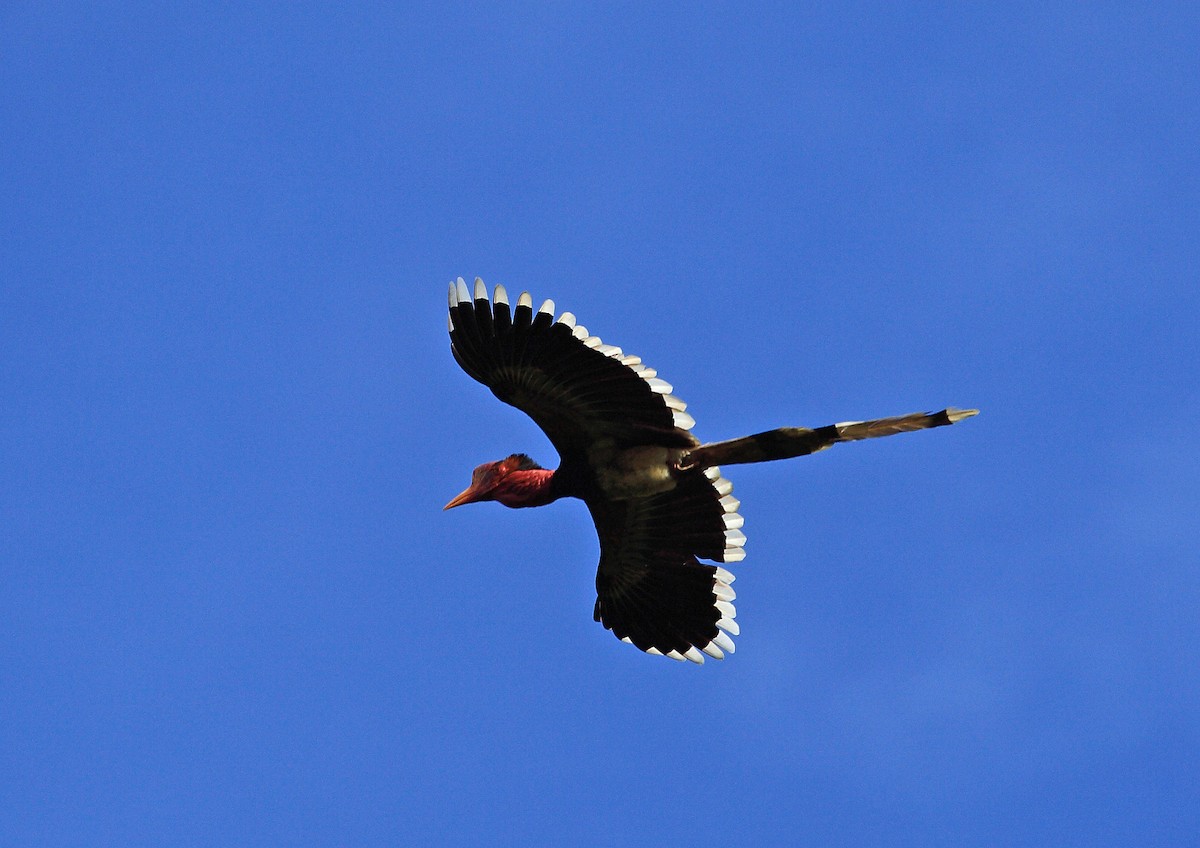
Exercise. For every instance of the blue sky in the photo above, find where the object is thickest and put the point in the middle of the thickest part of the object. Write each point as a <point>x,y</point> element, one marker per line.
<point>233,611</point>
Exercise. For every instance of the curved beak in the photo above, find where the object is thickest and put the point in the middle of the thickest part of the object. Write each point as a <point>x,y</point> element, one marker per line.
<point>469,495</point>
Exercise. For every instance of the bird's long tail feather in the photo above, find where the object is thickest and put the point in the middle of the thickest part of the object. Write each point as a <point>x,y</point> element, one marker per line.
<point>787,442</point>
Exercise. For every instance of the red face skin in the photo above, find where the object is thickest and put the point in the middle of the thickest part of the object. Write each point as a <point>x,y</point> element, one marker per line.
<point>505,482</point>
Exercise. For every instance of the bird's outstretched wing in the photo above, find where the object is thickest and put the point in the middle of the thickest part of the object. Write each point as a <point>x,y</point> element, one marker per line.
<point>578,389</point>
<point>651,590</point>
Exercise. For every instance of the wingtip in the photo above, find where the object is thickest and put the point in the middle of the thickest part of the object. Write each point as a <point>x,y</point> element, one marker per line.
<point>722,641</point>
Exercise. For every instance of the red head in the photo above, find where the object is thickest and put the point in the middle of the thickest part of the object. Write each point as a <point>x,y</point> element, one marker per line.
<point>515,481</point>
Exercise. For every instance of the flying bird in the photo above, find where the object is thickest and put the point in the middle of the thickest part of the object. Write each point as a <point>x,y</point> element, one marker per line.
<point>655,493</point>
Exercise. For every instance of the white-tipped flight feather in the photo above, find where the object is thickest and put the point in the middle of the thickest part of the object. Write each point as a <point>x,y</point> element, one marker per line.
<point>723,642</point>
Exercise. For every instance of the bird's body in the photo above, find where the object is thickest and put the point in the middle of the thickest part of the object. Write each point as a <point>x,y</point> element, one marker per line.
<point>655,493</point>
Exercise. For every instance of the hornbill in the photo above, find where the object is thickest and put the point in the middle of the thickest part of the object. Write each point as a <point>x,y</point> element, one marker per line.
<point>655,493</point>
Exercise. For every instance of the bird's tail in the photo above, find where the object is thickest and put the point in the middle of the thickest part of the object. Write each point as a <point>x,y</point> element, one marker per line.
<point>787,442</point>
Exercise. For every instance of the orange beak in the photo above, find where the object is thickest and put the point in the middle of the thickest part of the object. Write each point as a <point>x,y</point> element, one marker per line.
<point>469,495</point>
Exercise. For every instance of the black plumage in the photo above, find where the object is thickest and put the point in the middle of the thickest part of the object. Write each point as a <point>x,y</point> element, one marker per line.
<point>655,494</point>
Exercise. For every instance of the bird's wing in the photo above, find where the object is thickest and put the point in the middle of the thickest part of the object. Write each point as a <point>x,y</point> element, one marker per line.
<point>651,589</point>
<point>576,388</point>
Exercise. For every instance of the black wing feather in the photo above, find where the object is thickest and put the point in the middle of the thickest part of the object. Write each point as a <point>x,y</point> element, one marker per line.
<point>651,588</point>
<point>576,393</point>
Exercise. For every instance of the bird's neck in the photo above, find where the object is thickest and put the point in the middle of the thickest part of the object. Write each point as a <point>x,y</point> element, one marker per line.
<point>533,487</point>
